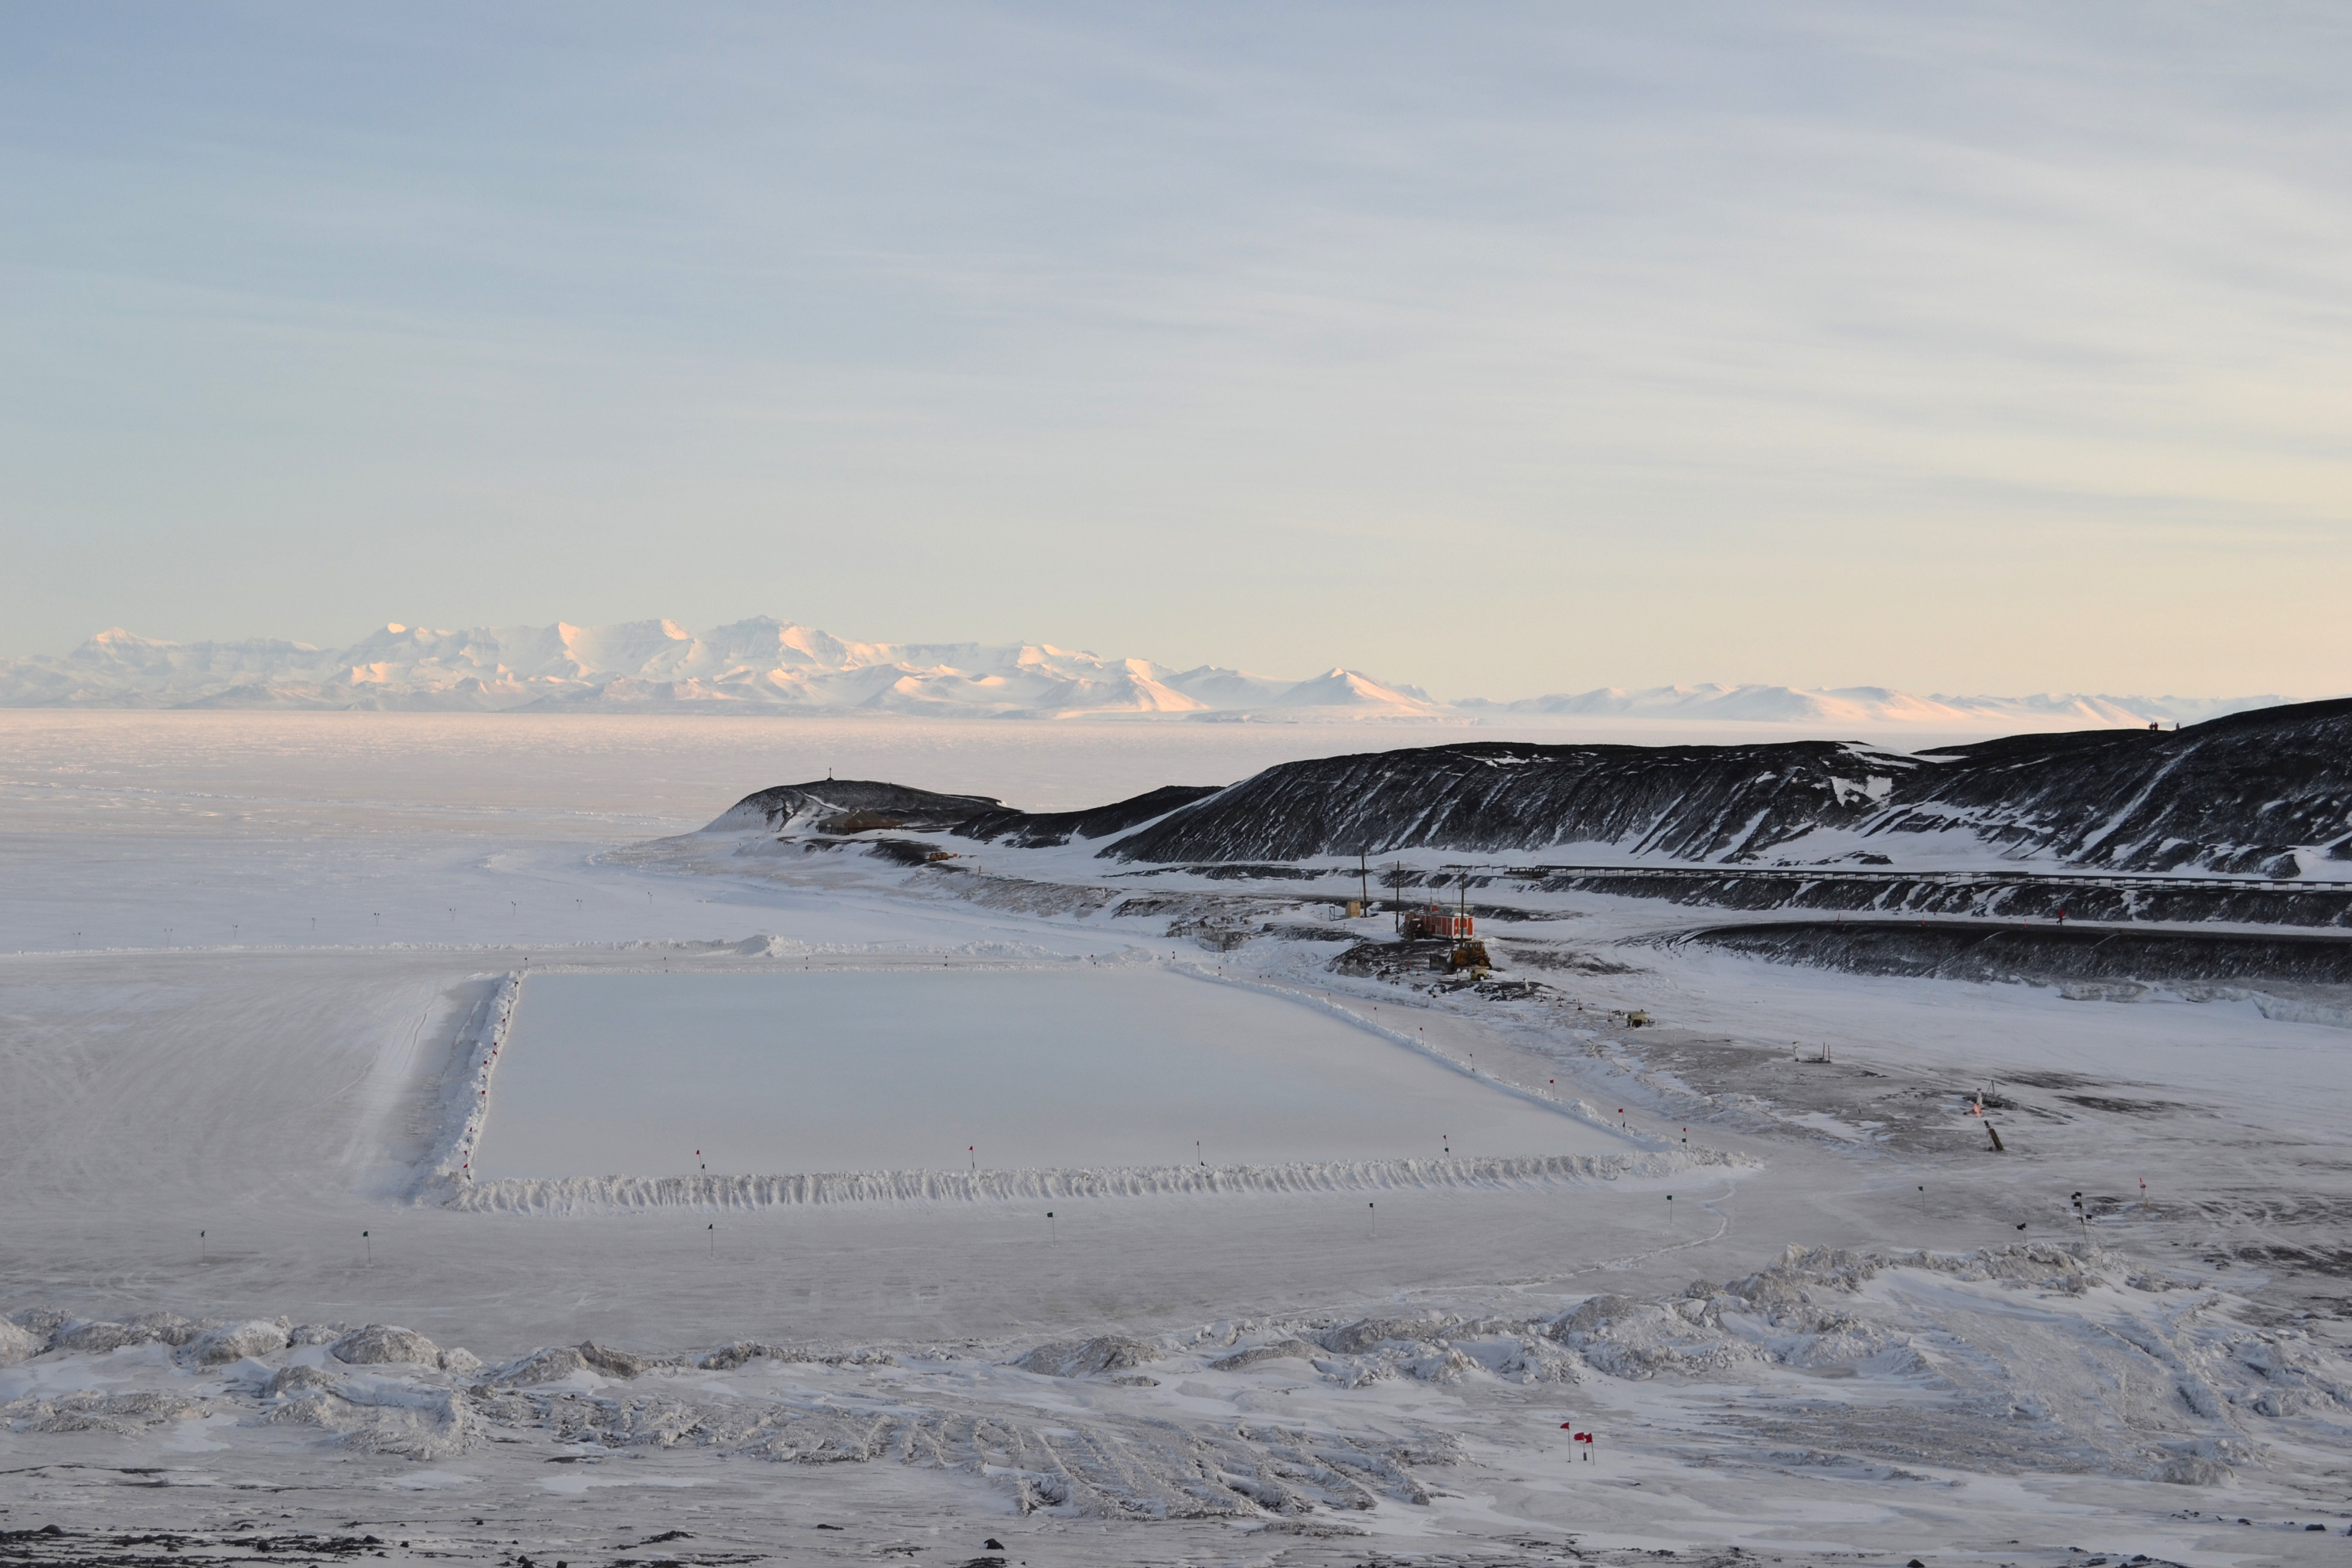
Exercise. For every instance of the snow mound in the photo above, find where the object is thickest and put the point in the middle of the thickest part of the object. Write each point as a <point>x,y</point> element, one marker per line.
<point>549,1365</point>
<point>19,1344</point>
<point>1087,1358</point>
<point>378,1416</point>
<point>234,1342</point>
<point>124,1415</point>
<point>380,1344</point>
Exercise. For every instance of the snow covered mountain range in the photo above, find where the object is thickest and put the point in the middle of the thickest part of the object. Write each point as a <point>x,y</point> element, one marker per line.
<point>762,666</point>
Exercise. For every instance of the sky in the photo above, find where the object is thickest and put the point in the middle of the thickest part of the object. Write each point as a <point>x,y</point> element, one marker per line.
<point>1501,349</point>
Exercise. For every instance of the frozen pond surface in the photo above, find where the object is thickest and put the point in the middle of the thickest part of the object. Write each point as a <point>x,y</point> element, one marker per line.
<point>629,1074</point>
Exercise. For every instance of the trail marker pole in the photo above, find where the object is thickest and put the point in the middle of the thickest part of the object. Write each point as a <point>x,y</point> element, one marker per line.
<point>203,1249</point>
<point>2143,1195</point>
<point>369,1243</point>
<point>1670,1209</point>
<point>1923,1200</point>
<point>1372,1218</point>
<point>973,1150</point>
<point>1050,1235</point>
<point>713,1228</point>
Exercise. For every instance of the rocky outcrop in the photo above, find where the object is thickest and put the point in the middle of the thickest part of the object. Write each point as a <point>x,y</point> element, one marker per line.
<point>1982,950</point>
<point>2267,793</point>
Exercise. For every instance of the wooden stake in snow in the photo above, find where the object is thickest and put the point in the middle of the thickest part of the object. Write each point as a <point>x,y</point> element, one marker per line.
<point>1994,1133</point>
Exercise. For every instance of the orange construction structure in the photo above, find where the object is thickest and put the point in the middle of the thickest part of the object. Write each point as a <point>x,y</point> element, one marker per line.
<point>1433,920</point>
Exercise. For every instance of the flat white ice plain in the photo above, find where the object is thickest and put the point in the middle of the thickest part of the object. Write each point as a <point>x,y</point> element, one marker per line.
<point>653,1076</point>
<point>238,953</point>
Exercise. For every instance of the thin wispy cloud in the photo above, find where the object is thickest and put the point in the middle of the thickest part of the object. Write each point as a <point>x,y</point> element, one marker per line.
<point>1962,349</point>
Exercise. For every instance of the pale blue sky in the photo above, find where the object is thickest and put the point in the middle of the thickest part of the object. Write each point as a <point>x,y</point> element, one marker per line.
<point>1502,349</point>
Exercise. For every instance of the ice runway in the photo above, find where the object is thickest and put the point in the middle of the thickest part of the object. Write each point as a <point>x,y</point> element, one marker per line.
<point>652,1074</point>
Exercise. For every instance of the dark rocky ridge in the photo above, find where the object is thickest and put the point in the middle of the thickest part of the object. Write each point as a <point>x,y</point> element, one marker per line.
<point>2261,795</point>
<point>1677,802</point>
<point>854,804</point>
<point>866,805</point>
<point>2252,793</point>
<point>1029,830</point>
<point>2001,895</point>
<point>1983,950</point>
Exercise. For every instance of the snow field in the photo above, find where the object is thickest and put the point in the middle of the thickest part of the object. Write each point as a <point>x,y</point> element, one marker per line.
<point>1991,1404</point>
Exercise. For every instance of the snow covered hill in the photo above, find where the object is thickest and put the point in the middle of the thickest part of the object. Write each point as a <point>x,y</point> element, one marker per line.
<point>2266,794</point>
<point>766,665</point>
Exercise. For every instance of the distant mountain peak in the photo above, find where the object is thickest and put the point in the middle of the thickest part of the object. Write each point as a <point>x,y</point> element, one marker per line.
<point>764,665</point>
